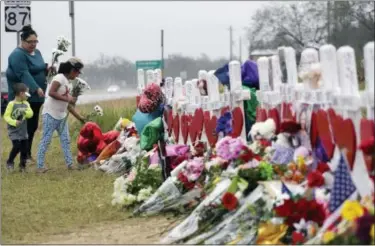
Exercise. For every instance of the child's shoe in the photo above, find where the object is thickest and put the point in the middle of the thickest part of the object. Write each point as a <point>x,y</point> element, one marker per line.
<point>10,166</point>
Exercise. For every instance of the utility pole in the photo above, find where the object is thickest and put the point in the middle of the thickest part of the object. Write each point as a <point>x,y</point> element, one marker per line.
<point>329,21</point>
<point>162,52</point>
<point>230,43</point>
<point>71,14</point>
<point>240,45</point>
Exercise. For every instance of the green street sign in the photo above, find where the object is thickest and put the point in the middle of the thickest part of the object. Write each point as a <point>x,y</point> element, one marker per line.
<point>145,65</point>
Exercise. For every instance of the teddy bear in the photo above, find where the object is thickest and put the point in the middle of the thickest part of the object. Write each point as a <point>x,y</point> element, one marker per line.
<point>262,134</point>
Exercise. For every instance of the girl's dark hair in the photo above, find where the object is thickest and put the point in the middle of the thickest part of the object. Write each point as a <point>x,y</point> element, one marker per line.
<point>67,67</point>
<point>26,32</point>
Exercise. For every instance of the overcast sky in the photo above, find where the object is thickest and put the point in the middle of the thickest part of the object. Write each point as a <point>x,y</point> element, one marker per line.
<point>132,29</point>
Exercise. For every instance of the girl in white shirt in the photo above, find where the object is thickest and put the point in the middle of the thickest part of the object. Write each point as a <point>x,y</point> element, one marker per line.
<point>55,109</point>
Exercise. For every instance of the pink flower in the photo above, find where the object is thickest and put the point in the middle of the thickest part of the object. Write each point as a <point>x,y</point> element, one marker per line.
<point>194,168</point>
<point>131,176</point>
<point>229,148</point>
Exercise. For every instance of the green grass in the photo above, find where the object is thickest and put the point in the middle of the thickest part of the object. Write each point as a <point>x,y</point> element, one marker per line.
<point>35,206</point>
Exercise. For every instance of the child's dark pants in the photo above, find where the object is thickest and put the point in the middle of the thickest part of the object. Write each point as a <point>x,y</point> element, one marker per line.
<point>19,146</point>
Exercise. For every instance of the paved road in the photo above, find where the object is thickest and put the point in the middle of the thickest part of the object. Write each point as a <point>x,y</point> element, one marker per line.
<point>104,96</point>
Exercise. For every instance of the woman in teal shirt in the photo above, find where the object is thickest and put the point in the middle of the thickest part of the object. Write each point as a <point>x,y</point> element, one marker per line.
<point>26,65</point>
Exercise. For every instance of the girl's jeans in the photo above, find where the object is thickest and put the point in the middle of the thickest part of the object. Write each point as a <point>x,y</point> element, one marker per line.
<point>50,125</point>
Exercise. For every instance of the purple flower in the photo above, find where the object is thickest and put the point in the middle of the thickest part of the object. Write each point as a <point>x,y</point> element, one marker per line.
<point>224,124</point>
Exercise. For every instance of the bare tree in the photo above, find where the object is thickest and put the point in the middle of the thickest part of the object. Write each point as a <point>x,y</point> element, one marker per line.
<point>297,24</point>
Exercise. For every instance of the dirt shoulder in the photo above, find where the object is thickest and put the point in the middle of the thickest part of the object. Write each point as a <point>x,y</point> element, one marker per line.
<point>131,231</point>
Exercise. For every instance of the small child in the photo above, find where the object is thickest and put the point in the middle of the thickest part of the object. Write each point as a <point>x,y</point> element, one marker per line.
<point>15,115</point>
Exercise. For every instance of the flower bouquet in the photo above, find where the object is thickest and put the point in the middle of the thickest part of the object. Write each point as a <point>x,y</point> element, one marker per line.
<point>355,225</point>
<point>302,214</point>
<point>193,224</point>
<point>125,158</point>
<point>138,185</point>
<point>242,226</point>
<point>79,87</point>
<point>179,191</point>
<point>228,152</point>
<point>62,47</point>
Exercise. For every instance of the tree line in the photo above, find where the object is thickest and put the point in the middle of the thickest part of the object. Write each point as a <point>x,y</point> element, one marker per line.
<point>296,24</point>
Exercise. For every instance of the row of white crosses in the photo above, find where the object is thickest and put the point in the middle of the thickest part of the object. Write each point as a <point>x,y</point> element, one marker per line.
<point>339,91</point>
<point>188,98</point>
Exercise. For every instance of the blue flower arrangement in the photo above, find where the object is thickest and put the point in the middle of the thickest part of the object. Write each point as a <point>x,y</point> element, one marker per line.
<point>224,124</point>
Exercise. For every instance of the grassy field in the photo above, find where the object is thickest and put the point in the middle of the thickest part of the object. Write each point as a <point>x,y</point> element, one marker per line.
<point>34,206</point>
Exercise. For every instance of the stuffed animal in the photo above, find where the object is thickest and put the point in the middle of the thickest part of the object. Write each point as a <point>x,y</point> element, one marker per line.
<point>312,76</point>
<point>262,134</point>
<point>263,130</point>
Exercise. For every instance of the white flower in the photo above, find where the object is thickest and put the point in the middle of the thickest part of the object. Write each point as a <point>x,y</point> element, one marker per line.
<point>280,200</point>
<point>144,194</point>
<point>129,199</point>
<point>302,225</point>
<point>214,162</point>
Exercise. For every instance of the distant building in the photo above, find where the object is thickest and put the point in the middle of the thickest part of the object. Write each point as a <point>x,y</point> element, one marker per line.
<point>255,54</point>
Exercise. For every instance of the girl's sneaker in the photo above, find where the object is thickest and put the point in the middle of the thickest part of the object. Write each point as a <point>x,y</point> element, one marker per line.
<point>42,170</point>
<point>10,166</point>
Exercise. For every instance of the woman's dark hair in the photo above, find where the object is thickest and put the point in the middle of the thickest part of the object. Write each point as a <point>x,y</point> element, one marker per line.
<point>68,66</point>
<point>26,32</point>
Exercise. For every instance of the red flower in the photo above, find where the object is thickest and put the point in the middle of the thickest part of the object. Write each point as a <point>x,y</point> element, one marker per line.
<point>290,126</point>
<point>297,237</point>
<point>367,146</point>
<point>265,143</point>
<point>285,209</point>
<point>229,201</point>
<point>258,157</point>
<point>247,155</point>
<point>323,167</point>
<point>184,180</point>
<point>315,212</point>
<point>199,149</point>
<point>315,179</point>
<point>177,160</point>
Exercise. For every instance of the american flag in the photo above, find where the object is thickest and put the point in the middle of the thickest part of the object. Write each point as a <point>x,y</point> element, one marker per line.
<point>343,185</point>
<point>284,189</point>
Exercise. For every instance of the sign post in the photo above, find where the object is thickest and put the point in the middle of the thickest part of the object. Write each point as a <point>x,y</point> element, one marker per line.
<point>149,65</point>
<point>17,15</point>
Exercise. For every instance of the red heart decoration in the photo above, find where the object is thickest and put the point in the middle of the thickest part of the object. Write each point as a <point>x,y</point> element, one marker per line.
<point>314,128</point>
<point>367,130</point>
<point>199,122</point>
<point>169,120</point>
<point>261,114</point>
<point>332,117</point>
<point>238,122</point>
<point>336,126</point>
<point>349,140</point>
<point>176,127</point>
<point>274,114</point>
<point>210,128</point>
<point>324,132</point>
<point>224,110</point>
<point>185,122</point>
<point>287,111</point>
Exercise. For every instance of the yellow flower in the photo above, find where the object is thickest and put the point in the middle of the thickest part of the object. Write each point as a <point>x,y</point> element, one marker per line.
<point>328,236</point>
<point>351,210</point>
<point>217,180</point>
<point>372,232</point>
